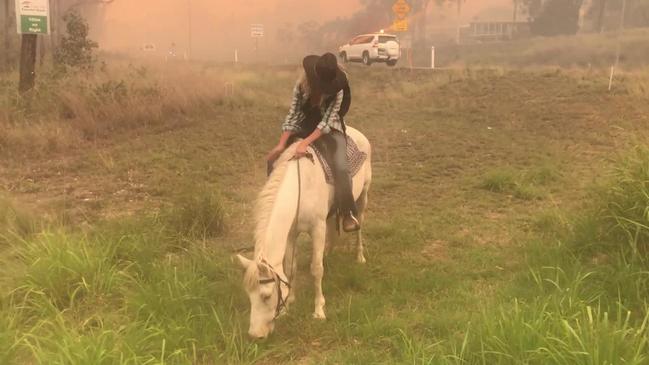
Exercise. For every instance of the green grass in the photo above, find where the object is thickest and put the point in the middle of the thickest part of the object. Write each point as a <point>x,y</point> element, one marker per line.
<point>197,213</point>
<point>140,270</point>
<point>523,185</point>
<point>87,299</point>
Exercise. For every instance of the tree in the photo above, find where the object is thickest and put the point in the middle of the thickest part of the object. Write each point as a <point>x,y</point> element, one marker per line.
<point>76,48</point>
<point>59,8</point>
<point>4,58</point>
<point>531,7</point>
<point>458,23</point>
<point>418,15</point>
<point>600,17</point>
<point>637,12</point>
<point>8,36</point>
<point>554,17</point>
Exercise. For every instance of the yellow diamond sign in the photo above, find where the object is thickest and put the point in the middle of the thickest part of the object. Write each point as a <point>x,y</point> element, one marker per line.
<point>400,25</point>
<point>401,9</point>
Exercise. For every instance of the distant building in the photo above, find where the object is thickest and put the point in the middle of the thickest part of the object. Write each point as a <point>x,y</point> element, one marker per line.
<point>485,31</point>
<point>497,24</point>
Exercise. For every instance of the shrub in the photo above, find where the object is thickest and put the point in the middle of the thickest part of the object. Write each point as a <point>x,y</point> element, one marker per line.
<point>625,209</point>
<point>198,214</point>
<point>76,48</point>
<point>14,222</point>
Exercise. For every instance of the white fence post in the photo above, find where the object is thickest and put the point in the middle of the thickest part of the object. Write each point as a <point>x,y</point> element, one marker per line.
<point>432,57</point>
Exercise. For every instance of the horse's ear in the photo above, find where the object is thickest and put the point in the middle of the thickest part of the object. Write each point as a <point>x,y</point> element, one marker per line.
<point>244,261</point>
<point>263,269</point>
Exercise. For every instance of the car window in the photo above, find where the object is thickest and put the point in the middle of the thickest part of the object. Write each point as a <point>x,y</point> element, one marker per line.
<point>355,40</point>
<point>368,39</point>
<point>387,38</point>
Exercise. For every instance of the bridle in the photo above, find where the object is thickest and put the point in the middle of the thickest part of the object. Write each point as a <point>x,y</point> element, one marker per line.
<point>277,280</point>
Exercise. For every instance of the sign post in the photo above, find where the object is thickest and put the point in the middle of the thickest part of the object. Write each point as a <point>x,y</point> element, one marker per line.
<point>33,16</point>
<point>32,19</point>
<point>401,10</point>
<point>256,32</point>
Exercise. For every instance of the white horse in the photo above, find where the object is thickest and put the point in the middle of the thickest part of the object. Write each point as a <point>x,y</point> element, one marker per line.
<point>295,185</point>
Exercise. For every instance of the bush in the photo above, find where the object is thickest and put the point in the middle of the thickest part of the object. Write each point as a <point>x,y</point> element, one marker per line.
<point>76,49</point>
<point>14,222</point>
<point>198,214</point>
<point>558,17</point>
<point>625,209</point>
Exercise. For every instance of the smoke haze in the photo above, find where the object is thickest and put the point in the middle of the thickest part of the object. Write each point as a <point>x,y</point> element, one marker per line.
<point>219,27</point>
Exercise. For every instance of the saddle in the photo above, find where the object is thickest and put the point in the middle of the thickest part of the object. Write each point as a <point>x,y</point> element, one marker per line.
<point>355,159</point>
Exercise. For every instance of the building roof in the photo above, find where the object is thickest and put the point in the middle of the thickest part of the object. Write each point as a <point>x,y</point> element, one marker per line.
<point>500,14</point>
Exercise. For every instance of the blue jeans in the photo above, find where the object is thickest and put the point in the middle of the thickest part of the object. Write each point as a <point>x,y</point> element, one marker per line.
<point>336,143</point>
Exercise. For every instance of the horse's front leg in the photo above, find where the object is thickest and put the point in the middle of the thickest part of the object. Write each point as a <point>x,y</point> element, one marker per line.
<point>317,267</point>
<point>361,204</point>
<point>332,234</point>
<point>290,262</point>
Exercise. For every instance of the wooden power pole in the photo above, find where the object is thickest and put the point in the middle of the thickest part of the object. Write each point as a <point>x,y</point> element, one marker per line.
<point>619,46</point>
<point>6,24</point>
<point>458,36</point>
<point>28,62</point>
<point>600,17</point>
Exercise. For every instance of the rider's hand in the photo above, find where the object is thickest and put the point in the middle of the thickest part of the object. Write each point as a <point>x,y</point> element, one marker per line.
<point>300,151</point>
<point>275,152</point>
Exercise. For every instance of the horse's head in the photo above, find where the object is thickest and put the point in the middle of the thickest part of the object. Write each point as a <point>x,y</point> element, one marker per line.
<point>267,291</point>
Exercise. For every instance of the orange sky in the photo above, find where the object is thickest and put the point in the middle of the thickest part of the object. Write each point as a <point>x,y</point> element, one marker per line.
<point>214,22</point>
<point>219,26</point>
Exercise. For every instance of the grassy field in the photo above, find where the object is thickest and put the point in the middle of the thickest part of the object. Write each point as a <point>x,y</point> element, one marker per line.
<point>507,221</point>
<point>581,51</point>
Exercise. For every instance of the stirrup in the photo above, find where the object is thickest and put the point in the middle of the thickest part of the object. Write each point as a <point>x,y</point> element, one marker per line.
<point>354,226</point>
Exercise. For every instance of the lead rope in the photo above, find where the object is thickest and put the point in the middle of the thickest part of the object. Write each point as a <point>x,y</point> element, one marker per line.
<point>281,303</point>
<point>297,217</point>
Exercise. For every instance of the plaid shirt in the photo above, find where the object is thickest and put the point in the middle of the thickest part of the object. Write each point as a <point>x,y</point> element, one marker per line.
<point>330,118</point>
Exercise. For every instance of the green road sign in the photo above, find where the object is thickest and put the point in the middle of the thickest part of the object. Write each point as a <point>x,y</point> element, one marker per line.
<point>33,24</point>
<point>32,16</point>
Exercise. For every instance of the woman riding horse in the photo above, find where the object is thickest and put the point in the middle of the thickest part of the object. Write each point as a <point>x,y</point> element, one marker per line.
<point>321,98</point>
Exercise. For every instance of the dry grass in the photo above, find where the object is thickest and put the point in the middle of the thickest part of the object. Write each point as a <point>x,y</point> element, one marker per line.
<point>585,50</point>
<point>67,110</point>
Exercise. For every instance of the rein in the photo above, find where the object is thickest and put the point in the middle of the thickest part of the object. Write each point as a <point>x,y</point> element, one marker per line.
<point>281,302</point>
<point>277,279</point>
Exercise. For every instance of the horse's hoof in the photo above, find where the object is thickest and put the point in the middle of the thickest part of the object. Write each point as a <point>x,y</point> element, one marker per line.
<point>361,260</point>
<point>319,316</point>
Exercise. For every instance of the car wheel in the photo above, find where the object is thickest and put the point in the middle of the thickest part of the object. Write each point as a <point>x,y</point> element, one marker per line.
<point>344,57</point>
<point>392,63</point>
<point>366,59</point>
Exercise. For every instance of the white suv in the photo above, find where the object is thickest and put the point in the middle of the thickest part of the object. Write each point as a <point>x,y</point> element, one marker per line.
<point>369,48</point>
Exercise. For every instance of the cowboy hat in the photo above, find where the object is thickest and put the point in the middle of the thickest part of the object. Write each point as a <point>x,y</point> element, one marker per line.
<point>323,73</point>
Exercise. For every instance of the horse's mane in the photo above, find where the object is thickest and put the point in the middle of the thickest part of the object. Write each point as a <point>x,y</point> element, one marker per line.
<point>266,198</point>
<point>263,210</point>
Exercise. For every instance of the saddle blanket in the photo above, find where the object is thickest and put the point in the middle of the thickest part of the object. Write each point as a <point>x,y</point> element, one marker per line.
<point>355,159</point>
